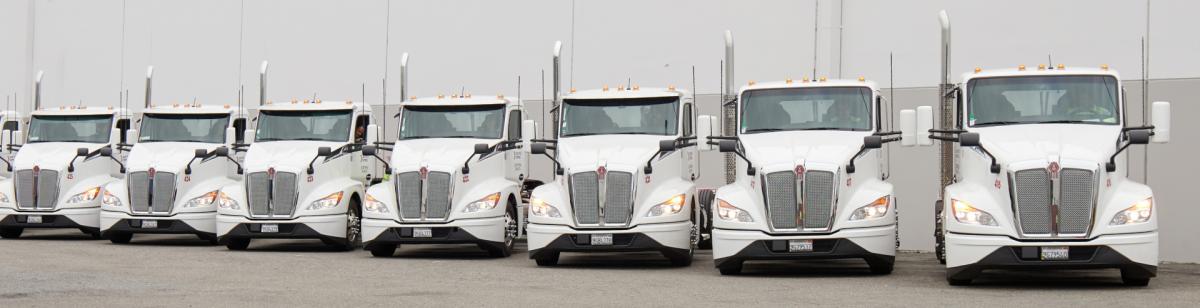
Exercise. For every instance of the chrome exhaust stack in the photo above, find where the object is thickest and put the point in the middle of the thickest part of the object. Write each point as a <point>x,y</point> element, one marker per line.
<point>37,91</point>
<point>729,108</point>
<point>403,78</point>
<point>948,105</point>
<point>556,84</point>
<point>262,84</point>
<point>149,84</point>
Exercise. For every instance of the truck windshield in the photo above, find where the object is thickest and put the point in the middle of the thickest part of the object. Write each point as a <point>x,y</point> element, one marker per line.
<point>1042,99</point>
<point>483,122</point>
<point>821,108</point>
<point>330,125</point>
<point>207,128</point>
<point>70,128</point>
<point>631,116</point>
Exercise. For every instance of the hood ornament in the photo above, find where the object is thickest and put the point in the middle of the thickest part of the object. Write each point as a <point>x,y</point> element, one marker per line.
<point>271,172</point>
<point>601,171</point>
<point>150,172</point>
<point>799,169</point>
<point>1053,168</point>
<point>424,172</point>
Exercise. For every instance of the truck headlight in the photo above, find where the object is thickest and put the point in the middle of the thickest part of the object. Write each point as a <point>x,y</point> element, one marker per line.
<point>484,204</point>
<point>539,207</point>
<point>1138,213</point>
<point>225,202</point>
<point>670,206</point>
<point>206,199</point>
<point>375,206</point>
<point>330,201</point>
<point>108,200</point>
<point>967,214</point>
<point>876,209</point>
<point>728,212</point>
<point>85,196</point>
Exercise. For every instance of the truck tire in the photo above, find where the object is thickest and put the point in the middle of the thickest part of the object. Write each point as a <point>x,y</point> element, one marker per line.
<point>547,259</point>
<point>511,226</point>
<point>211,238</point>
<point>1134,280</point>
<point>939,232</point>
<point>730,268</point>
<point>120,237</point>
<point>238,244</point>
<point>95,234</point>
<point>704,198</point>
<point>958,282</point>
<point>11,232</point>
<point>353,228</point>
<point>383,250</point>
<point>881,267</point>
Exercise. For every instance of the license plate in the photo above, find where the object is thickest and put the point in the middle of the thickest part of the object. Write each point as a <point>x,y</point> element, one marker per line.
<point>422,232</point>
<point>602,239</point>
<point>270,228</point>
<point>33,219</point>
<point>1057,253</point>
<point>149,224</point>
<point>800,245</point>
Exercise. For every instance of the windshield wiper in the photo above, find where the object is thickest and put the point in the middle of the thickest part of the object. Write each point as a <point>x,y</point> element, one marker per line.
<point>824,128</point>
<point>583,134</point>
<point>998,123</point>
<point>764,130</point>
<point>1069,121</point>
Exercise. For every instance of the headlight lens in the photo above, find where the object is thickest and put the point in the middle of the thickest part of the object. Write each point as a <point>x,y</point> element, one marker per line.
<point>330,201</point>
<point>967,214</point>
<point>110,200</point>
<point>728,212</point>
<point>85,196</point>
<point>876,209</point>
<point>670,206</point>
<point>206,199</point>
<point>225,202</point>
<point>484,204</point>
<point>539,207</point>
<point>375,206</point>
<point>1138,213</point>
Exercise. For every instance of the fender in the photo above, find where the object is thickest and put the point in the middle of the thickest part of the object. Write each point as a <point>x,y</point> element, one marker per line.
<point>349,188</point>
<point>554,194</point>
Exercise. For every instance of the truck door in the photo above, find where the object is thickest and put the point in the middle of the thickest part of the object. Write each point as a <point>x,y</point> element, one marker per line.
<point>362,167</point>
<point>689,160</point>
<point>517,162</point>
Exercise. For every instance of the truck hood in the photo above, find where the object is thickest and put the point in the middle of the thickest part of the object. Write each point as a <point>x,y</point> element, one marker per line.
<point>1015,143</point>
<point>164,156</point>
<point>50,155</point>
<point>589,152</point>
<point>794,147</point>
<point>411,154</point>
<point>290,156</point>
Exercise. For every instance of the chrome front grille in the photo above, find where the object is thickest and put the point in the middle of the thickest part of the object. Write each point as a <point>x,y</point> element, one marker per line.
<point>1046,208</point>
<point>424,199</point>
<point>151,195</point>
<point>36,190</point>
<point>271,196</point>
<point>800,204</point>
<point>607,201</point>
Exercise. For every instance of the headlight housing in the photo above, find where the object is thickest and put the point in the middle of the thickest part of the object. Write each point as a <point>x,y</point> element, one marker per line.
<point>329,201</point>
<point>108,200</point>
<point>967,214</point>
<point>487,203</point>
<point>1138,213</point>
<point>375,206</point>
<point>225,202</point>
<point>728,212</point>
<point>206,199</point>
<point>670,206</point>
<point>85,196</point>
<point>876,209</point>
<point>539,207</point>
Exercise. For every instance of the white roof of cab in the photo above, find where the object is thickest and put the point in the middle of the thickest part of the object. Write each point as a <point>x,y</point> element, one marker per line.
<point>614,93</point>
<point>459,101</point>
<point>78,110</point>
<point>190,109</point>
<point>830,83</point>
<point>313,105</point>
<point>1034,71</point>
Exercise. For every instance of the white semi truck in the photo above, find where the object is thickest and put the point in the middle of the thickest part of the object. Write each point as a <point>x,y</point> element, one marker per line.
<point>305,174</point>
<point>811,181</point>
<point>625,161</point>
<point>458,170</point>
<point>69,154</point>
<point>1039,178</point>
<point>175,171</point>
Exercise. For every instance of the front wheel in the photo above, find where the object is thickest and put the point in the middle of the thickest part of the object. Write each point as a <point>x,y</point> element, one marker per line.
<point>511,225</point>
<point>238,244</point>
<point>383,250</point>
<point>11,232</point>
<point>353,228</point>
<point>120,237</point>
<point>730,268</point>
<point>547,259</point>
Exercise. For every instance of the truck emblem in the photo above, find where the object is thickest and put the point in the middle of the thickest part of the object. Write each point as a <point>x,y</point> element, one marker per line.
<point>424,173</point>
<point>600,172</point>
<point>799,169</point>
<point>1053,170</point>
<point>36,169</point>
<point>151,172</point>
<point>271,172</point>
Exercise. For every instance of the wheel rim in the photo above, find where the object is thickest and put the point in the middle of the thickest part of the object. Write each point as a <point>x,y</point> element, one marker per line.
<point>510,228</point>
<point>352,227</point>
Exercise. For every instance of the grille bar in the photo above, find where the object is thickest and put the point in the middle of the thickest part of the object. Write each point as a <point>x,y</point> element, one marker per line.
<point>800,204</point>
<point>1048,207</point>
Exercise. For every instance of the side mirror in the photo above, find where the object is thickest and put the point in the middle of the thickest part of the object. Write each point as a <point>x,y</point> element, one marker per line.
<point>372,133</point>
<point>107,152</point>
<point>727,146</point>
<point>11,125</point>
<point>968,139</point>
<point>221,151</point>
<point>872,142</point>
<point>230,135</point>
<point>666,145</point>
<point>924,124</point>
<point>131,136</point>
<point>705,127</point>
<point>537,148</point>
<point>908,127</point>
<point>482,148</point>
<point>1160,117</point>
<point>528,129</point>
<point>324,151</point>
<point>369,150</point>
<point>82,152</point>
<point>201,152</point>
<point>123,124</point>
<point>1139,137</point>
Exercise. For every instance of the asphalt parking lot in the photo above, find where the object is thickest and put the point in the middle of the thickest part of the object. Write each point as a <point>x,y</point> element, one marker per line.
<point>64,268</point>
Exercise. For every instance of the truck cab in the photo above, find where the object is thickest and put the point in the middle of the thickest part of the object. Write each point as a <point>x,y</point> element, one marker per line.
<point>458,168</point>
<point>305,175</point>
<point>1035,174</point>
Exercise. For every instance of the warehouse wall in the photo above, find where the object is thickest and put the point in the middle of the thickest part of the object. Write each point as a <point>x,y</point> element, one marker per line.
<point>205,50</point>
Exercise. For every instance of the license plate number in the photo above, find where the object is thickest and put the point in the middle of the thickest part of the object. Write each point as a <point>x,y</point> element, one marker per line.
<point>800,245</point>
<point>149,224</point>
<point>422,232</point>
<point>270,228</point>
<point>601,239</point>
<point>33,219</point>
<point>1055,253</point>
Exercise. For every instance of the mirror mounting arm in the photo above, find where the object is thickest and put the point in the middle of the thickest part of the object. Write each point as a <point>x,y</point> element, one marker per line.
<point>850,168</point>
<point>8,163</point>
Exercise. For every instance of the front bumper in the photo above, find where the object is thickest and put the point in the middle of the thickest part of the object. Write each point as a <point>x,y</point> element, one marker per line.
<point>875,244</point>
<point>181,223</point>
<point>86,218</point>
<point>1135,254</point>
<point>669,238</point>
<point>481,230</point>
<point>324,227</point>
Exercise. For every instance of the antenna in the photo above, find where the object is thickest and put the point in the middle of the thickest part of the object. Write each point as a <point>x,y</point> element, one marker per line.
<point>121,100</point>
<point>816,27</point>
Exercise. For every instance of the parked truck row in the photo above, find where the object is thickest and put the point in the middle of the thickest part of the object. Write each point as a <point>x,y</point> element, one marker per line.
<point>1031,159</point>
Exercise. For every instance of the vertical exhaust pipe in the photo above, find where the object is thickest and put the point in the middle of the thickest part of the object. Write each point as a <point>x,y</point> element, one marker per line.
<point>403,78</point>
<point>729,109</point>
<point>37,91</point>
<point>149,84</point>
<point>729,66</point>
<point>944,19</point>
<point>262,84</point>
<point>556,84</point>
<point>948,105</point>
